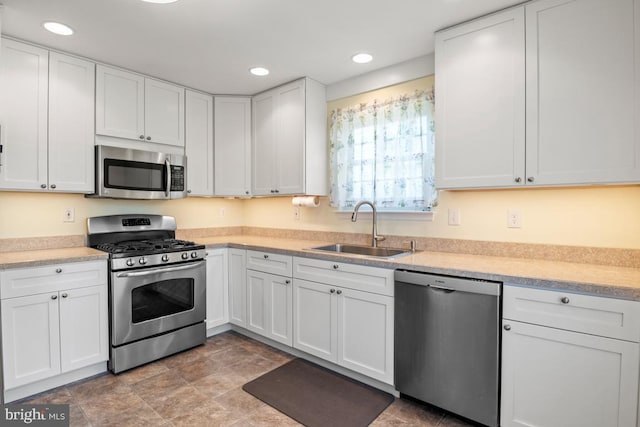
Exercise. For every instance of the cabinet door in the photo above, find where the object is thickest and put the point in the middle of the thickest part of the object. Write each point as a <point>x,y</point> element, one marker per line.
<point>269,305</point>
<point>30,339</point>
<point>315,319</point>
<point>119,103</point>
<point>217,288</point>
<point>290,138</point>
<point>365,335</point>
<point>238,287</point>
<point>23,116</point>
<point>163,113</point>
<point>232,146</point>
<point>264,144</point>
<point>71,124</point>
<point>582,108</point>
<point>199,143</point>
<point>84,327</point>
<point>480,132</point>
<point>552,377</point>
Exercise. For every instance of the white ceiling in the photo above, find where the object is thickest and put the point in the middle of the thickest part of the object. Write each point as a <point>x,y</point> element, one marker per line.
<point>211,44</point>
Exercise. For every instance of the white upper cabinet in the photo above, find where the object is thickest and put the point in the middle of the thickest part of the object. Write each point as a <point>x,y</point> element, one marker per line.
<point>574,65</point>
<point>480,102</point>
<point>47,119</point>
<point>582,105</point>
<point>232,146</point>
<point>132,106</point>
<point>199,143</point>
<point>289,140</point>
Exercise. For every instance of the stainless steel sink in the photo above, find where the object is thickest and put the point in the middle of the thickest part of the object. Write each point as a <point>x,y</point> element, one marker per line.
<point>363,250</point>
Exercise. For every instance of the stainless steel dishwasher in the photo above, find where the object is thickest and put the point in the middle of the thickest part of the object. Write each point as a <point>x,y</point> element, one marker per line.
<point>447,343</point>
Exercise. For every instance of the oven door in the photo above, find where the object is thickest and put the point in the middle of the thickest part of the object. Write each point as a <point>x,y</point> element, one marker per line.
<point>156,300</point>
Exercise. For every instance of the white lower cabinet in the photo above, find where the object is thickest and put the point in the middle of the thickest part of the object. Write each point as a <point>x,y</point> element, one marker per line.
<point>217,287</point>
<point>552,376</point>
<point>349,327</point>
<point>269,306</point>
<point>238,287</point>
<point>54,321</point>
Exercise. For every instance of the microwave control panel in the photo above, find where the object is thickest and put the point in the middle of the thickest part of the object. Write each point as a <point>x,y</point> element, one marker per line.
<point>177,178</point>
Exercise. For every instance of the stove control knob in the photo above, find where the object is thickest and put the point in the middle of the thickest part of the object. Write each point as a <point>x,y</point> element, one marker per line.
<point>194,254</point>
<point>142,261</point>
<point>165,258</point>
<point>130,262</point>
<point>185,255</point>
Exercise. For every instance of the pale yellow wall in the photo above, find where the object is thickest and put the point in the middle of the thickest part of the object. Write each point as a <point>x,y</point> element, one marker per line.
<point>41,214</point>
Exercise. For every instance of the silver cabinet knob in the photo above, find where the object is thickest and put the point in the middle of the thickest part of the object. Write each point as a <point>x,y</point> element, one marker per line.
<point>265,256</point>
<point>65,295</point>
<point>188,191</point>
<point>141,137</point>
<point>148,138</point>
<point>336,266</point>
<point>338,291</point>
<point>276,191</point>
<point>507,327</point>
<point>58,270</point>
<point>564,300</point>
<point>246,192</point>
<point>287,282</point>
<point>43,185</point>
<point>531,179</point>
<point>333,291</point>
<point>53,186</point>
<point>518,179</point>
<point>54,296</point>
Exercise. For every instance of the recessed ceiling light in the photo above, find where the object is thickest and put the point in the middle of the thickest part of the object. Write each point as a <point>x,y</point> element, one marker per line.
<point>362,58</point>
<point>58,28</point>
<point>259,71</point>
<point>160,1</point>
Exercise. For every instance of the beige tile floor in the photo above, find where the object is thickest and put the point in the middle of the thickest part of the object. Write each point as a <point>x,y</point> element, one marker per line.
<point>203,387</point>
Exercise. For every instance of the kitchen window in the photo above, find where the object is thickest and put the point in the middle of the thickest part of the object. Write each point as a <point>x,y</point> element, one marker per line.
<point>382,150</point>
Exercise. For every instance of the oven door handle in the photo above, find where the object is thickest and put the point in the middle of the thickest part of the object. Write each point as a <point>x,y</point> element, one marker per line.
<point>159,270</point>
<point>167,192</point>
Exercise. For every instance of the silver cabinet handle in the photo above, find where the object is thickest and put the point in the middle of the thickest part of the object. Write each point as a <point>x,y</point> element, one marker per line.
<point>58,270</point>
<point>65,295</point>
<point>333,291</point>
<point>564,300</point>
<point>531,179</point>
<point>54,296</point>
<point>336,266</point>
<point>339,292</point>
<point>141,137</point>
<point>507,327</point>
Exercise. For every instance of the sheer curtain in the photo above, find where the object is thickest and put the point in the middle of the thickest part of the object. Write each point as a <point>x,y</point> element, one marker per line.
<point>384,152</point>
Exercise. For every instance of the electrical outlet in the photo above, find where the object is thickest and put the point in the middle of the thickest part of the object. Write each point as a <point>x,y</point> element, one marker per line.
<point>514,218</point>
<point>223,211</point>
<point>296,213</point>
<point>454,216</point>
<point>69,215</point>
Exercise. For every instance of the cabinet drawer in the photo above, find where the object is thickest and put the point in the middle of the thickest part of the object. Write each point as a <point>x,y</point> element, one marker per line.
<point>353,276</point>
<point>269,263</point>
<point>51,278</point>
<point>607,317</point>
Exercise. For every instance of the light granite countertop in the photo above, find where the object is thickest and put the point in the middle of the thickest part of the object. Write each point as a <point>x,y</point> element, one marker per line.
<point>611,281</point>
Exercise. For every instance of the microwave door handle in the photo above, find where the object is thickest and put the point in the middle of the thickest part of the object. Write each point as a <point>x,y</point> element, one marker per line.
<point>168,166</point>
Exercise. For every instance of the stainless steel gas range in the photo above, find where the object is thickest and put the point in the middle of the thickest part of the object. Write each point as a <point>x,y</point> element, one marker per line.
<point>157,288</point>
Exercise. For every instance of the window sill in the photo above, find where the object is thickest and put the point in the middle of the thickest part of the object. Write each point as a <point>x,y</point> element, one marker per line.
<point>390,215</point>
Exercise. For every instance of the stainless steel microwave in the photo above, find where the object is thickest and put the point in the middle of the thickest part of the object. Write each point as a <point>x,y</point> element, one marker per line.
<point>123,173</point>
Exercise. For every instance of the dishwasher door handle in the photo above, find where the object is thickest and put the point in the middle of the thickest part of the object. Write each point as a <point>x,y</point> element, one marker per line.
<point>442,288</point>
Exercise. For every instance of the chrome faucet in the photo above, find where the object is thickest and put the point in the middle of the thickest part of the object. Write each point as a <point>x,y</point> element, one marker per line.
<point>374,233</point>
